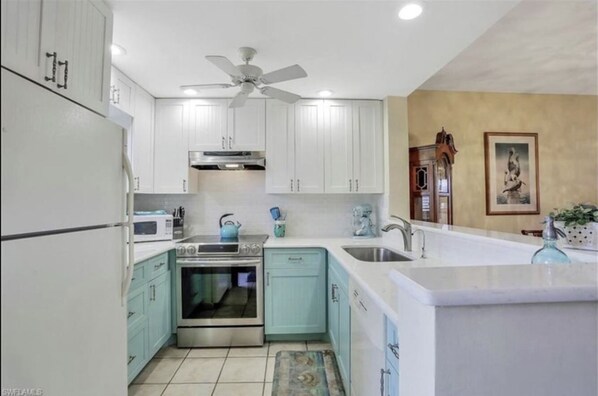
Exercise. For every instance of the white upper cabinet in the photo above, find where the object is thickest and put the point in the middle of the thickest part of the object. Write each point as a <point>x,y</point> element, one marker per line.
<point>64,45</point>
<point>280,147</point>
<point>122,92</point>
<point>309,146</point>
<point>215,127</point>
<point>143,141</point>
<point>171,153</point>
<point>354,146</point>
<point>247,126</point>
<point>208,125</point>
<point>368,147</point>
<point>338,146</point>
<point>21,36</point>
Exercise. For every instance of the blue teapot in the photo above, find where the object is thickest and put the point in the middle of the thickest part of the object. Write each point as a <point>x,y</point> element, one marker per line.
<point>229,230</point>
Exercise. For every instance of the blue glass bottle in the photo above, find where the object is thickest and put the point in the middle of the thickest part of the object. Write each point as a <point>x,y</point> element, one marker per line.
<point>550,254</point>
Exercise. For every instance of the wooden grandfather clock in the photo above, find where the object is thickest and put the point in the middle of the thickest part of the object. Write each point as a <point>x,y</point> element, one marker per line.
<point>431,180</point>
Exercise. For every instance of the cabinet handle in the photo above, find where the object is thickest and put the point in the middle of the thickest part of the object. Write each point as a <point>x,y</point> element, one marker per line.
<point>130,314</point>
<point>53,56</point>
<point>152,292</point>
<point>158,266</point>
<point>295,258</point>
<point>131,358</point>
<point>223,143</point>
<point>291,185</point>
<point>132,279</point>
<point>184,185</point>
<point>267,278</point>
<point>230,142</point>
<point>382,382</point>
<point>298,185</point>
<point>350,185</point>
<point>394,348</point>
<point>115,95</point>
<point>357,185</point>
<point>136,183</point>
<point>334,297</point>
<point>66,74</point>
<point>362,305</point>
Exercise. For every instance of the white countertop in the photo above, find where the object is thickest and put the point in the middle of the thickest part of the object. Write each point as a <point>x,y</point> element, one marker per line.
<point>440,282</point>
<point>146,250</point>
<point>499,284</point>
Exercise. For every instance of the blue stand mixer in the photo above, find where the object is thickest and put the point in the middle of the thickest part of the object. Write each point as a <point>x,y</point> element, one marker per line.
<point>362,223</point>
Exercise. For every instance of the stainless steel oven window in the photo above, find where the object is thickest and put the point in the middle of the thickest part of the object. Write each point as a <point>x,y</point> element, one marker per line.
<point>220,292</point>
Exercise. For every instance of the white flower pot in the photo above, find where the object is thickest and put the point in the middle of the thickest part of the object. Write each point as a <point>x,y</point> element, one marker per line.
<point>580,237</point>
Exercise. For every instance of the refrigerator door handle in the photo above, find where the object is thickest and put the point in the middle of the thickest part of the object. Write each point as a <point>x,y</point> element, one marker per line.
<point>130,262</point>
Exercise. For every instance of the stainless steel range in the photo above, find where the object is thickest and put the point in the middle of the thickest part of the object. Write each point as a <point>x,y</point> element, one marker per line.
<point>220,291</point>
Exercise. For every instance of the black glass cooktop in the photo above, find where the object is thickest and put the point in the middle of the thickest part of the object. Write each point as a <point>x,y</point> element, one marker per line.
<point>215,239</point>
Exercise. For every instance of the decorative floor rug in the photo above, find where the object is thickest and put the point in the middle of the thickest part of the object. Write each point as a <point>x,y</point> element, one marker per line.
<point>307,373</point>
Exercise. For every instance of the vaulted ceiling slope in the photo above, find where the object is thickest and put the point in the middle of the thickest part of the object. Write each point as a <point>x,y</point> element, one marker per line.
<point>538,47</point>
<point>357,49</point>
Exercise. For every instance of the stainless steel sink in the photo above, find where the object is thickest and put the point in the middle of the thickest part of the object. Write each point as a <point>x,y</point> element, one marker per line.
<point>375,254</point>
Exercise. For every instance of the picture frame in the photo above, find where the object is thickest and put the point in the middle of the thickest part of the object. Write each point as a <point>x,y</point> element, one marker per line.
<point>512,173</point>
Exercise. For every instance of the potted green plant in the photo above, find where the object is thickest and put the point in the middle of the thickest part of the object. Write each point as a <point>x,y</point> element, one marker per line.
<point>580,224</point>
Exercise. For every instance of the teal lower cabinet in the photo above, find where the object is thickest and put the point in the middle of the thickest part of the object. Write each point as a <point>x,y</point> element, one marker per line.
<point>392,360</point>
<point>339,318</point>
<point>295,292</point>
<point>149,312</point>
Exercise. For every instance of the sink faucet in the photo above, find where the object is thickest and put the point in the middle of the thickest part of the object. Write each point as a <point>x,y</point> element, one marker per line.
<point>405,231</point>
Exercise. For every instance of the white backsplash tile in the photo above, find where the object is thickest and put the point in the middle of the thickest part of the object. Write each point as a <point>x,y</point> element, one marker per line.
<point>243,193</point>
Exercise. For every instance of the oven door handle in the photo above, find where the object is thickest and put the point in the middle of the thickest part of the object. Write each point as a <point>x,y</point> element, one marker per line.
<point>216,263</point>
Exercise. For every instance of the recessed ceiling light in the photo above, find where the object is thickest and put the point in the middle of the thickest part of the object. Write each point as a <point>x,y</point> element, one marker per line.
<point>410,11</point>
<point>117,50</point>
<point>189,91</point>
<point>325,93</point>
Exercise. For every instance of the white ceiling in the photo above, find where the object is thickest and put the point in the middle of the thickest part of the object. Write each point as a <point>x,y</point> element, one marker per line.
<point>358,49</point>
<point>538,47</point>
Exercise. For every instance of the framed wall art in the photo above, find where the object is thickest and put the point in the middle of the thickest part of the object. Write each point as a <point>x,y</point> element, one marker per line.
<point>511,173</point>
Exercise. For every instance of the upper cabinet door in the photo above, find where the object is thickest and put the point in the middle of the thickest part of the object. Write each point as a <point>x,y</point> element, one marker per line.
<point>247,126</point>
<point>21,37</point>
<point>79,32</point>
<point>280,147</point>
<point>143,141</point>
<point>122,92</point>
<point>208,125</point>
<point>171,158</point>
<point>338,146</point>
<point>368,152</point>
<point>309,146</point>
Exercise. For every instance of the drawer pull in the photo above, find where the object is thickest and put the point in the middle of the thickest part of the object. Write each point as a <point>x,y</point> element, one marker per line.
<point>130,314</point>
<point>334,297</point>
<point>132,279</point>
<point>131,358</point>
<point>382,382</point>
<point>53,56</point>
<point>295,258</point>
<point>66,74</point>
<point>394,348</point>
<point>158,266</point>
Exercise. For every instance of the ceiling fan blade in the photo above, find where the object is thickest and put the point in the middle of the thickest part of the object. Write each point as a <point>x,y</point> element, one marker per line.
<point>239,100</point>
<point>280,94</point>
<point>288,73</point>
<point>225,65</point>
<point>207,86</point>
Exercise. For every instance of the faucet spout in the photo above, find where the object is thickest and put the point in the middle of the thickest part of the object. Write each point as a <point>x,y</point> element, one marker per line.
<point>405,230</point>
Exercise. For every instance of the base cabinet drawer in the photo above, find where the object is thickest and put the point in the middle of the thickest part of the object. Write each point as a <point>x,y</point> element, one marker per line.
<point>137,350</point>
<point>136,306</point>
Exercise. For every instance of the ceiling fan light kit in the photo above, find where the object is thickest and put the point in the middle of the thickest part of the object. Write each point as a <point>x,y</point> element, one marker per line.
<point>249,77</point>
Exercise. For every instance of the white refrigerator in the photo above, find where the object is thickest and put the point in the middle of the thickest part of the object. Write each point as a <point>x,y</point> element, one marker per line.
<point>64,246</point>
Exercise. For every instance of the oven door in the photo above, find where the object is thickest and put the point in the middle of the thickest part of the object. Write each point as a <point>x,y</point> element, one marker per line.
<point>219,292</point>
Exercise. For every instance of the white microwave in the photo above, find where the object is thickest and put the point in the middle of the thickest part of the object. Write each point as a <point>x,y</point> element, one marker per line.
<point>153,227</point>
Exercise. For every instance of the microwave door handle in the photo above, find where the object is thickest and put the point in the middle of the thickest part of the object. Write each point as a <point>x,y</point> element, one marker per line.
<point>129,263</point>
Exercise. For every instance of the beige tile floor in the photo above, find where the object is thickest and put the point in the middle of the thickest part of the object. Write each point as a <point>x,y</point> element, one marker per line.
<point>214,371</point>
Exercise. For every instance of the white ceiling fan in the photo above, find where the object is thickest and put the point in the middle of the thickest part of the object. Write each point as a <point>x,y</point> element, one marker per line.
<point>250,77</point>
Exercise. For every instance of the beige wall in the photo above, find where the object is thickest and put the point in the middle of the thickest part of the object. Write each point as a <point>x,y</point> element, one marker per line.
<point>568,147</point>
<point>397,141</point>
